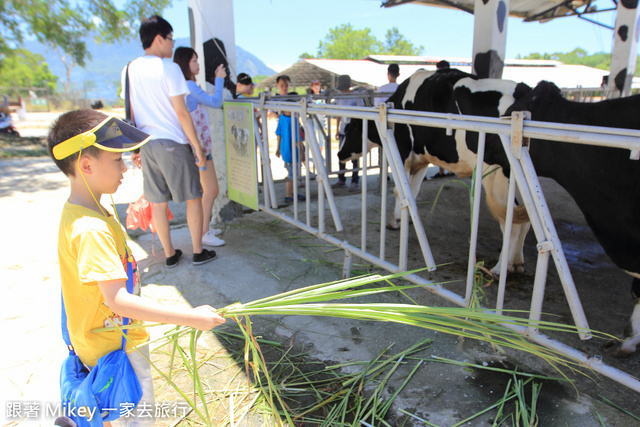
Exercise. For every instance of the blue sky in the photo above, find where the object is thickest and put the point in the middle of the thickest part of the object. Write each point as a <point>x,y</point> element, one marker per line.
<point>278,31</point>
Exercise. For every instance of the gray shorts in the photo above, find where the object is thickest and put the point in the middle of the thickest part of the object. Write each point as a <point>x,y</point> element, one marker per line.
<point>170,172</point>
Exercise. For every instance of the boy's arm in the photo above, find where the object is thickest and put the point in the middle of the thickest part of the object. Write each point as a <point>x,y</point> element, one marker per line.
<point>136,307</point>
<point>278,149</point>
<point>186,122</point>
<point>338,127</point>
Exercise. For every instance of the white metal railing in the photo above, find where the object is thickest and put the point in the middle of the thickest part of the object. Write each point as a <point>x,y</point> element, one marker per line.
<point>511,132</point>
<point>592,94</point>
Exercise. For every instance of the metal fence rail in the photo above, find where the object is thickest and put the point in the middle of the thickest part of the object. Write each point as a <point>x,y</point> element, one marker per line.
<point>511,132</point>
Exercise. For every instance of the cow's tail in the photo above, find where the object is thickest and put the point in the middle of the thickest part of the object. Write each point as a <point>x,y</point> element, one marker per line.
<point>499,210</point>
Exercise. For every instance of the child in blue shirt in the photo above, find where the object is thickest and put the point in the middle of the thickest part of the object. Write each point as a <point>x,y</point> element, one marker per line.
<point>283,132</point>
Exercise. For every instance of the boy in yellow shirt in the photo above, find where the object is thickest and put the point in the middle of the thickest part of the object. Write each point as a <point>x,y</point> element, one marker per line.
<point>87,146</point>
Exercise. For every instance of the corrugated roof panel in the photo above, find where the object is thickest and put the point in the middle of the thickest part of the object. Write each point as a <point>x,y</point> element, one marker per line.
<point>374,74</point>
<point>541,9</point>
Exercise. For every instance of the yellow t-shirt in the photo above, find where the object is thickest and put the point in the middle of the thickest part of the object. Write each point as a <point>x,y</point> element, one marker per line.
<point>91,248</point>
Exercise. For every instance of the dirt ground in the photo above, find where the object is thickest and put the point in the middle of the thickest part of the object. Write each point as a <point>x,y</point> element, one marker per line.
<point>264,256</point>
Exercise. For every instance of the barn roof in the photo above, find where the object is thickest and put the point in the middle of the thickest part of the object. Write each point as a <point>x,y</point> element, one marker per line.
<point>372,71</point>
<point>529,10</point>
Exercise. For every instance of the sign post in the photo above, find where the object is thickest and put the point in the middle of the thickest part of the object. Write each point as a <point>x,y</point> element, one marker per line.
<point>241,153</point>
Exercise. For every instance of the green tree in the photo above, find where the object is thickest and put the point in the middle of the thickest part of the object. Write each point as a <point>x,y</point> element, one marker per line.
<point>396,44</point>
<point>343,42</point>
<point>64,24</point>
<point>22,68</point>
<point>580,56</point>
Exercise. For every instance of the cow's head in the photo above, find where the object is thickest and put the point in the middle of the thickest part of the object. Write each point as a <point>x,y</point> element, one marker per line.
<point>489,98</point>
<point>351,146</point>
<point>543,92</point>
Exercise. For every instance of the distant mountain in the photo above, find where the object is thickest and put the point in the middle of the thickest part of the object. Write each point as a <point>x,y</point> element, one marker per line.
<point>101,76</point>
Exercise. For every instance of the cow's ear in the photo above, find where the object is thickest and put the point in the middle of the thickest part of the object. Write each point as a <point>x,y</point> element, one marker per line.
<point>521,90</point>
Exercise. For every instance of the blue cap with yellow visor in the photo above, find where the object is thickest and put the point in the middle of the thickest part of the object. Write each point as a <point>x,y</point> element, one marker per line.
<point>110,135</point>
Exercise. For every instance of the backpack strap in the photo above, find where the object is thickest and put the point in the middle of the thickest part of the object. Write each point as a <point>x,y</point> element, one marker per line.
<point>127,100</point>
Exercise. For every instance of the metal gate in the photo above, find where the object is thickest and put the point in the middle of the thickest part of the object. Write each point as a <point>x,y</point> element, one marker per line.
<point>511,133</point>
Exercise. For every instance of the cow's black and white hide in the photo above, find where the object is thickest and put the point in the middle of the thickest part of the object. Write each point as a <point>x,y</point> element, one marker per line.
<point>420,145</point>
<point>604,182</point>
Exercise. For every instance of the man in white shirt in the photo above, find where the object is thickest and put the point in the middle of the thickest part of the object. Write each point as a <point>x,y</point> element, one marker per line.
<point>170,161</point>
<point>393,71</point>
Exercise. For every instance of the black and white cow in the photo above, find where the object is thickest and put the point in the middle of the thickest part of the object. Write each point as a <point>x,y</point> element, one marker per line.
<point>604,182</point>
<point>420,145</point>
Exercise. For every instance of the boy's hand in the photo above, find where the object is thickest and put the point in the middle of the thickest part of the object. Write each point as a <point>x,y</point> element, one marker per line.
<point>206,318</point>
<point>220,71</point>
<point>278,152</point>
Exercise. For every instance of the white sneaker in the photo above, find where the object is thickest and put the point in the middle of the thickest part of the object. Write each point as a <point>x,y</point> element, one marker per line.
<point>210,240</point>
<point>215,231</point>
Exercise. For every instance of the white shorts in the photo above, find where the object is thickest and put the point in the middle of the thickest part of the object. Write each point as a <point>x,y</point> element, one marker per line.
<point>144,413</point>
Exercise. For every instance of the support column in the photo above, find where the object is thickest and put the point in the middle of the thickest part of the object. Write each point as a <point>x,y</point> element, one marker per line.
<point>213,38</point>
<point>489,37</point>
<point>625,48</point>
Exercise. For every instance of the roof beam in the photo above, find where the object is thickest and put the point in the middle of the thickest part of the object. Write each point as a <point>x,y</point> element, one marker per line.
<point>451,3</point>
<point>562,9</point>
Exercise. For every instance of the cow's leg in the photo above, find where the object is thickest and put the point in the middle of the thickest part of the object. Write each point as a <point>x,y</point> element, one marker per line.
<point>516,244</point>
<point>631,333</point>
<point>393,223</point>
<point>416,179</point>
<point>496,186</point>
<point>516,247</point>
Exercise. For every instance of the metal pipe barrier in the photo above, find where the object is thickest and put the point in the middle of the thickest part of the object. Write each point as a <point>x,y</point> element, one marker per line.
<point>511,132</point>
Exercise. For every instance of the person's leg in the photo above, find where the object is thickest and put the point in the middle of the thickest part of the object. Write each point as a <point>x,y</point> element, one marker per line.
<point>341,178</point>
<point>183,178</point>
<point>156,189</point>
<point>355,175</point>
<point>289,184</point>
<point>289,188</point>
<point>342,166</point>
<point>341,182</point>
<point>210,191</point>
<point>161,223</point>
<point>194,221</point>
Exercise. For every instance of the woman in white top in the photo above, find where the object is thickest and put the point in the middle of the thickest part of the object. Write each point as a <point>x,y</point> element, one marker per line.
<point>197,100</point>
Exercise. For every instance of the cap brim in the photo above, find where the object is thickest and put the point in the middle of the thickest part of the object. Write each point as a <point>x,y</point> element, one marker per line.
<point>118,136</point>
<point>110,135</point>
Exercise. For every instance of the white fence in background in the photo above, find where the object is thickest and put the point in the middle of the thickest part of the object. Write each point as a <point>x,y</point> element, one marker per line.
<point>512,131</point>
